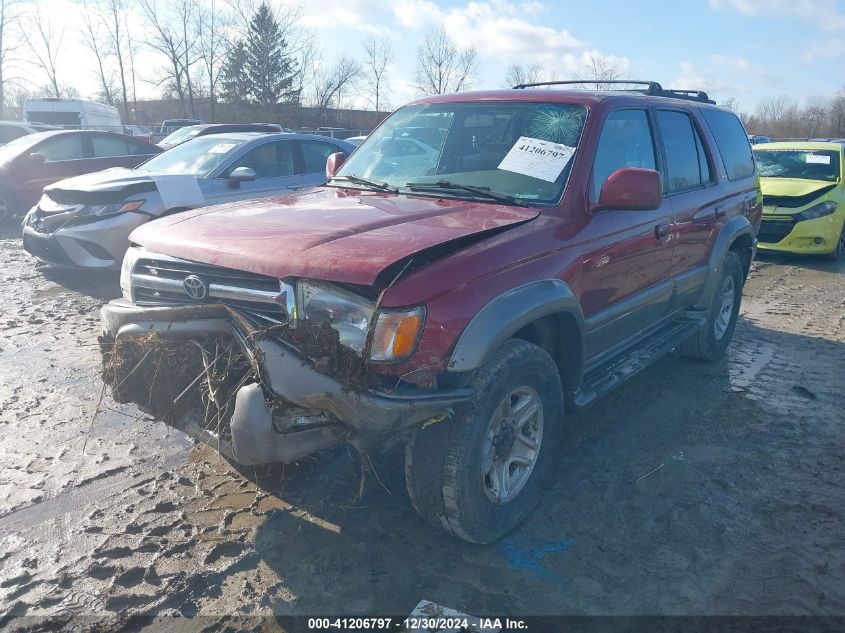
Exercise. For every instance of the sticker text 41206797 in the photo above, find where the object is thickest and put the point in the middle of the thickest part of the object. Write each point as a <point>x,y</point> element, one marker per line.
<point>537,158</point>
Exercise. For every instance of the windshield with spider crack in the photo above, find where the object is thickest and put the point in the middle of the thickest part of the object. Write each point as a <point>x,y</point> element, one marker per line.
<point>521,151</point>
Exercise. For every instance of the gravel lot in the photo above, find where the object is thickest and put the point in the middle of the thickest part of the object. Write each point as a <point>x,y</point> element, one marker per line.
<point>694,489</point>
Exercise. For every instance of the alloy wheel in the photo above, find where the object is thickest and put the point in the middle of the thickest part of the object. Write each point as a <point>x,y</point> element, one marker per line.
<point>512,444</point>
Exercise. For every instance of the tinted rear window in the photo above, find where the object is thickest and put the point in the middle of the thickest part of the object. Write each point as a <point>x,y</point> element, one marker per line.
<point>732,142</point>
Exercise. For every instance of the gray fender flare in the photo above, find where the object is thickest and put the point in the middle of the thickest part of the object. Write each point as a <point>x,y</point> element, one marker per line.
<point>733,229</point>
<point>506,315</point>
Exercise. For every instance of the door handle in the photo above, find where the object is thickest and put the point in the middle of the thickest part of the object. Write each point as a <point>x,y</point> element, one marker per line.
<point>662,230</point>
<point>296,187</point>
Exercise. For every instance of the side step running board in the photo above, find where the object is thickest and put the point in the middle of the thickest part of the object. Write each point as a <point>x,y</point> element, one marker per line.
<point>598,381</point>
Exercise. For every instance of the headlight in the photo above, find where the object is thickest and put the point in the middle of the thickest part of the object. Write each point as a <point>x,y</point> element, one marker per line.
<point>111,209</point>
<point>817,211</point>
<point>395,332</point>
<point>344,311</point>
<point>132,256</point>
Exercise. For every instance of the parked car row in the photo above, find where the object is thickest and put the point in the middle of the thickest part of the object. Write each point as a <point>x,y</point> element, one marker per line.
<point>85,221</point>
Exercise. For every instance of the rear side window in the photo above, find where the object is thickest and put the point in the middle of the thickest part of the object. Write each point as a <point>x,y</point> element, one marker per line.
<point>105,146</point>
<point>686,161</point>
<point>315,154</point>
<point>64,147</point>
<point>732,142</point>
<point>625,141</point>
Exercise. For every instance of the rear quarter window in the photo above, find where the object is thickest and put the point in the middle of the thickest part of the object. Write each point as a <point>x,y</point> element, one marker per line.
<point>732,142</point>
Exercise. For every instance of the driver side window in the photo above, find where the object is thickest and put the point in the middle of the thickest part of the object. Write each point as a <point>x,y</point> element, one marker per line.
<point>626,141</point>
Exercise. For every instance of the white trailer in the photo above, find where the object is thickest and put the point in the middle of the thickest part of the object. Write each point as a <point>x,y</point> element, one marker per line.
<point>76,114</point>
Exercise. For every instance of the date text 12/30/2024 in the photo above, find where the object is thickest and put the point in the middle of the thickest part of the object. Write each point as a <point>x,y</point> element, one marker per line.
<point>416,623</point>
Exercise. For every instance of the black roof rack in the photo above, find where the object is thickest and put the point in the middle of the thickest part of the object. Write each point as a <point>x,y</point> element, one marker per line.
<point>652,88</point>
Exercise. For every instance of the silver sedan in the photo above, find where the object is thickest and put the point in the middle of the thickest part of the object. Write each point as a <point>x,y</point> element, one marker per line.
<point>85,221</point>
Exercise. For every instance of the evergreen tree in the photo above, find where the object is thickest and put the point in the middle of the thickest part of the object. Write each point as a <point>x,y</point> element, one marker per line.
<point>234,85</point>
<point>270,68</point>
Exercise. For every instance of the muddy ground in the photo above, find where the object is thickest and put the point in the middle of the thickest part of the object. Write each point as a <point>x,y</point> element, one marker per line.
<point>694,489</point>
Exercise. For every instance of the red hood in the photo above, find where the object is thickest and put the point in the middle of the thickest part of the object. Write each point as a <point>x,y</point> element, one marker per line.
<point>326,233</point>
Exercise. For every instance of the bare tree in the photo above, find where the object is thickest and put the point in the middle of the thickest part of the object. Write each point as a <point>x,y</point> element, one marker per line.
<point>118,40</point>
<point>329,84</point>
<point>444,67</point>
<point>10,42</point>
<point>172,44</point>
<point>836,113</point>
<point>377,59</point>
<point>599,70</point>
<point>92,28</point>
<point>211,24</point>
<point>814,115</point>
<point>46,43</point>
<point>518,74</point>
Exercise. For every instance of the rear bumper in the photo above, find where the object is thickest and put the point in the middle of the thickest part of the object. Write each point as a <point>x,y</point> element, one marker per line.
<point>374,417</point>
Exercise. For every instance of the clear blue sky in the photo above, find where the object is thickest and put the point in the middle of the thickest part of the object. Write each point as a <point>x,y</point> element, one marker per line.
<point>748,49</point>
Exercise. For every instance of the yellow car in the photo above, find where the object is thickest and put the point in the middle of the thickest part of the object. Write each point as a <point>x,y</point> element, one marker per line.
<point>803,198</point>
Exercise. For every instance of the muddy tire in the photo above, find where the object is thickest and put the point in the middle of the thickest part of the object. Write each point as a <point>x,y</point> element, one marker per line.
<point>839,252</point>
<point>479,474</point>
<point>711,341</point>
<point>7,206</point>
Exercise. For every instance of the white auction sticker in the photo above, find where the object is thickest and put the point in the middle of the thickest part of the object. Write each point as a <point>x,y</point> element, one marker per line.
<point>818,159</point>
<point>221,148</point>
<point>537,158</point>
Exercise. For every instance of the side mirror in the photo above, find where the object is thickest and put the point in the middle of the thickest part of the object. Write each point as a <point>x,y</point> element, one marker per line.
<point>333,163</point>
<point>35,157</point>
<point>239,175</point>
<point>631,188</point>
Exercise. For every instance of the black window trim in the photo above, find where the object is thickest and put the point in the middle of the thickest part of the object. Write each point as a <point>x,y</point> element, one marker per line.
<point>714,177</point>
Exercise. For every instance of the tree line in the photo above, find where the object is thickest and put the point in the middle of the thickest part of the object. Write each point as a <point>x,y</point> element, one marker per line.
<point>260,54</point>
<point>219,51</point>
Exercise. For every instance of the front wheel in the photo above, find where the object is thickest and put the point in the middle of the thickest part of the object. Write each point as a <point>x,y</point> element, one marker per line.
<point>713,339</point>
<point>479,474</point>
<point>839,252</point>
<point>7,206</point>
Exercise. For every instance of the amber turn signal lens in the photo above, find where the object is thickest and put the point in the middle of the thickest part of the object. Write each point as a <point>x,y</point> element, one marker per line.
<point>396,334</point>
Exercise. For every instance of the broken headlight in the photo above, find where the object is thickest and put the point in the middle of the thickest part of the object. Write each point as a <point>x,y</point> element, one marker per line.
<point>344,311</point>
<point>111,209</point>
<point>395,332</point>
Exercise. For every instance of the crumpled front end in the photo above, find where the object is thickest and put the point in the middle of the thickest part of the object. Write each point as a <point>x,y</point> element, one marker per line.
<point>248,389</point>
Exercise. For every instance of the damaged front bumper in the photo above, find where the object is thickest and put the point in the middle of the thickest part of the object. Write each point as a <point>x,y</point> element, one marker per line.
<point>293,409</point>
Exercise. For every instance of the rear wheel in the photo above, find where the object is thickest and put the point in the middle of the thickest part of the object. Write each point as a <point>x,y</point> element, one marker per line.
<point>711,341</point>
<point>479,474</point>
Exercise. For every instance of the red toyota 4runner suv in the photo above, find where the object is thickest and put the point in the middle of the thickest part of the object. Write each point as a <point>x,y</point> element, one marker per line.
<point>481,263</point>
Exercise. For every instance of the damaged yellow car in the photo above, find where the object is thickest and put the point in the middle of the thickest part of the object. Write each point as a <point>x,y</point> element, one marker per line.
<point>803,198</point>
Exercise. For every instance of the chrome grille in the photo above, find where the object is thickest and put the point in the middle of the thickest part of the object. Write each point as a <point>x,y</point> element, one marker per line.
<point>159,281</point>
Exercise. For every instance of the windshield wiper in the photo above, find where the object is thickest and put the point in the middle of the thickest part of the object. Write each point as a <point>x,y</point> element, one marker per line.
<point>375,184</point>
<point>454,186</point>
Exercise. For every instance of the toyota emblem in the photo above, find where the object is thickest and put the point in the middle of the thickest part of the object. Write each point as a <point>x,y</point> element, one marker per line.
<point>195,287</point>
